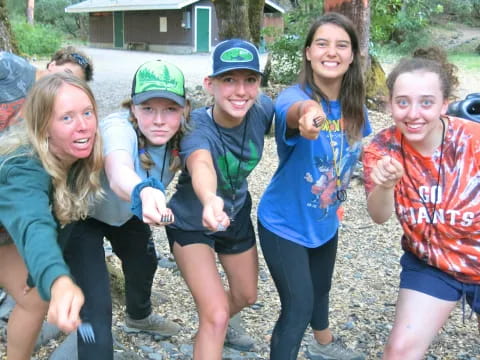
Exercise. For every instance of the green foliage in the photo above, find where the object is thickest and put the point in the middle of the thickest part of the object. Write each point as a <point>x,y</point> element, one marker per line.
<point>465,11</point>
<point>383,17</point>
<point>287,49</point>
<point>402,23</point>
<point>52,12</point>
<point>286,59</point>
<point>16,7</point>
<point>465,61</point>
<point>41,40</point>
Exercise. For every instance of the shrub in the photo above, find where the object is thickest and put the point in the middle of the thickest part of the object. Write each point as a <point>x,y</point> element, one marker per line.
<point>286,59</point>
<point>40,40</point>
<point>286,51</point>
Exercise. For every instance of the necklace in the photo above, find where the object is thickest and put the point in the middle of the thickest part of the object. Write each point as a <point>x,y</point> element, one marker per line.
<point>143,151</point>
<point>233,185</point>
<point>340,193</point>
<point>432,216</point>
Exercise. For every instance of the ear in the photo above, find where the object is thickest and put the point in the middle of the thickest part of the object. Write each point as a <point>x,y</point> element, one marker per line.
<point>208,84</point>
<point>444,108</point>
<point>51,66</point>
<point>133,110</point>
<point>307,53</point>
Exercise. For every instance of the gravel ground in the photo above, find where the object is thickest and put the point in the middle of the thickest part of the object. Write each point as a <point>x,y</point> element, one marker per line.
<point>367,270</point>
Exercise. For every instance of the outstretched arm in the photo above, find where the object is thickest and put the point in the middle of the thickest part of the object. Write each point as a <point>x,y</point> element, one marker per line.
<point>307,116</point>
<point>204,182</point>
<point>122,179</point>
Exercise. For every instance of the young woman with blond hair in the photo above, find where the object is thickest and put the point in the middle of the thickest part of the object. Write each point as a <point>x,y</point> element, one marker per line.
<point>49,173</point>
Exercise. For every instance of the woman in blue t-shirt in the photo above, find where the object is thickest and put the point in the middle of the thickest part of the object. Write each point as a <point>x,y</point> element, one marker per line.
<point>319,126</point>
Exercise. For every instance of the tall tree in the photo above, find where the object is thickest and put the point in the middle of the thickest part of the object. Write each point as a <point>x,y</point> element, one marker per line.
<point>239,18</point>
<point>359,12</point>
<point>7,41</point>
<point>30,10</point>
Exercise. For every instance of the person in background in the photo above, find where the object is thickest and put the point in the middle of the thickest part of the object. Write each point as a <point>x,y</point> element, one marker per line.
<point>141,144</point>
<point>319,126</point>
<point>212,204</point>
<point>17,76</point>
<point>426,168</point>
<point>49,172</point>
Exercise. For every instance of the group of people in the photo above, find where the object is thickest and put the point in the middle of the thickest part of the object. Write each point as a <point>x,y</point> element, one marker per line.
<point>68,180</point>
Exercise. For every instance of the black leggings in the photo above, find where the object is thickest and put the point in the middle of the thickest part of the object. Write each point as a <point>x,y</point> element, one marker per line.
<point>303,277</point>
<point>132,243</point>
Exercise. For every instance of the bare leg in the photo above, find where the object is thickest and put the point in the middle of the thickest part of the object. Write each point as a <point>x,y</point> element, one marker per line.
<point>242,274</point>
<point>418,319</point>
<point>323,337</point>
<point>198,267</point>
<point>29,312</point>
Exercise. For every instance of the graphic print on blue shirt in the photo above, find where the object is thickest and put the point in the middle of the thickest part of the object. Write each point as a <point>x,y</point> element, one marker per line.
<point>323,184</point>
<point>228,166</point>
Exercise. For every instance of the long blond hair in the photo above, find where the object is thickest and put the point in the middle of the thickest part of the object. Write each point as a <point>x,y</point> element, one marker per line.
<point>75,186</point>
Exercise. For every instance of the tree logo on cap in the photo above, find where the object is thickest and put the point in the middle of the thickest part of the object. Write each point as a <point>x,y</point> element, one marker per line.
<point>158,78</point>
<point>236,55</point>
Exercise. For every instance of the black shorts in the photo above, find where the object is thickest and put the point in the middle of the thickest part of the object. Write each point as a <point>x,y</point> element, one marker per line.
<point>239,236</point>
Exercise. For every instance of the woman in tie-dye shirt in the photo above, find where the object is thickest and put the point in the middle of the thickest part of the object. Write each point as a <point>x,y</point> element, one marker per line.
<point>427,168</point>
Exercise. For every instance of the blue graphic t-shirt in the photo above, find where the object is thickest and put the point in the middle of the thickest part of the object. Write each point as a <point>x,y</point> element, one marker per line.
<point>300,203</point>
<point>231,152</point>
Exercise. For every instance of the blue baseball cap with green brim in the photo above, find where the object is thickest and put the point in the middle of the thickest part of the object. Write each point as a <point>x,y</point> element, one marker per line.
<point>235,54</point>
<point>158,79</point>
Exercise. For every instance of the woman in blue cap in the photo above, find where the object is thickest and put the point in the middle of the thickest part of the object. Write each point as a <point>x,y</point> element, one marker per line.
<point>212,204</point>
<point>141,157</point>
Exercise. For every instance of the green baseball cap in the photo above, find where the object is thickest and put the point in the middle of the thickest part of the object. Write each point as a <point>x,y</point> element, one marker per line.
<point>158,79</point>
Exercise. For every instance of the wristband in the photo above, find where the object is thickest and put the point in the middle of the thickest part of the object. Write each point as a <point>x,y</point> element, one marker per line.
<point>136,201</point>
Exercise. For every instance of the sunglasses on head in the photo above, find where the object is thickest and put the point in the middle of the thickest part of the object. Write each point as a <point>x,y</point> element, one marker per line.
<point>80,60</point>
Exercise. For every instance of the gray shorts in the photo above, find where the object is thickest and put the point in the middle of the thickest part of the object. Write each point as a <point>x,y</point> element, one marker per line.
<point>5,239</point>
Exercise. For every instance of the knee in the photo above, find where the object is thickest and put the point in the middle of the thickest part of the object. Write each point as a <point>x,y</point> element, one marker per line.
<point>244,297</point>
<point>297,313</point>
<point>32,304</point>
<point>398,348</point>
<point>216,320</point>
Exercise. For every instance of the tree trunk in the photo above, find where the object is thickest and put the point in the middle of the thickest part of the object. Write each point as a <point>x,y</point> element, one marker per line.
<point>7,41</point>
<point>30,11</point>
<point>255,17</point>
<point>239,19</point>
<point>359,12</point>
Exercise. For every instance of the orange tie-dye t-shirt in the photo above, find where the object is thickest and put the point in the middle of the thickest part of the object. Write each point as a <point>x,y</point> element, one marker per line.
<point>452,242</point>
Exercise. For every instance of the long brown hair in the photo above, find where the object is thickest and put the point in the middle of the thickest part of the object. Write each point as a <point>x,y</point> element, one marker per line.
<point>352,90</point>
